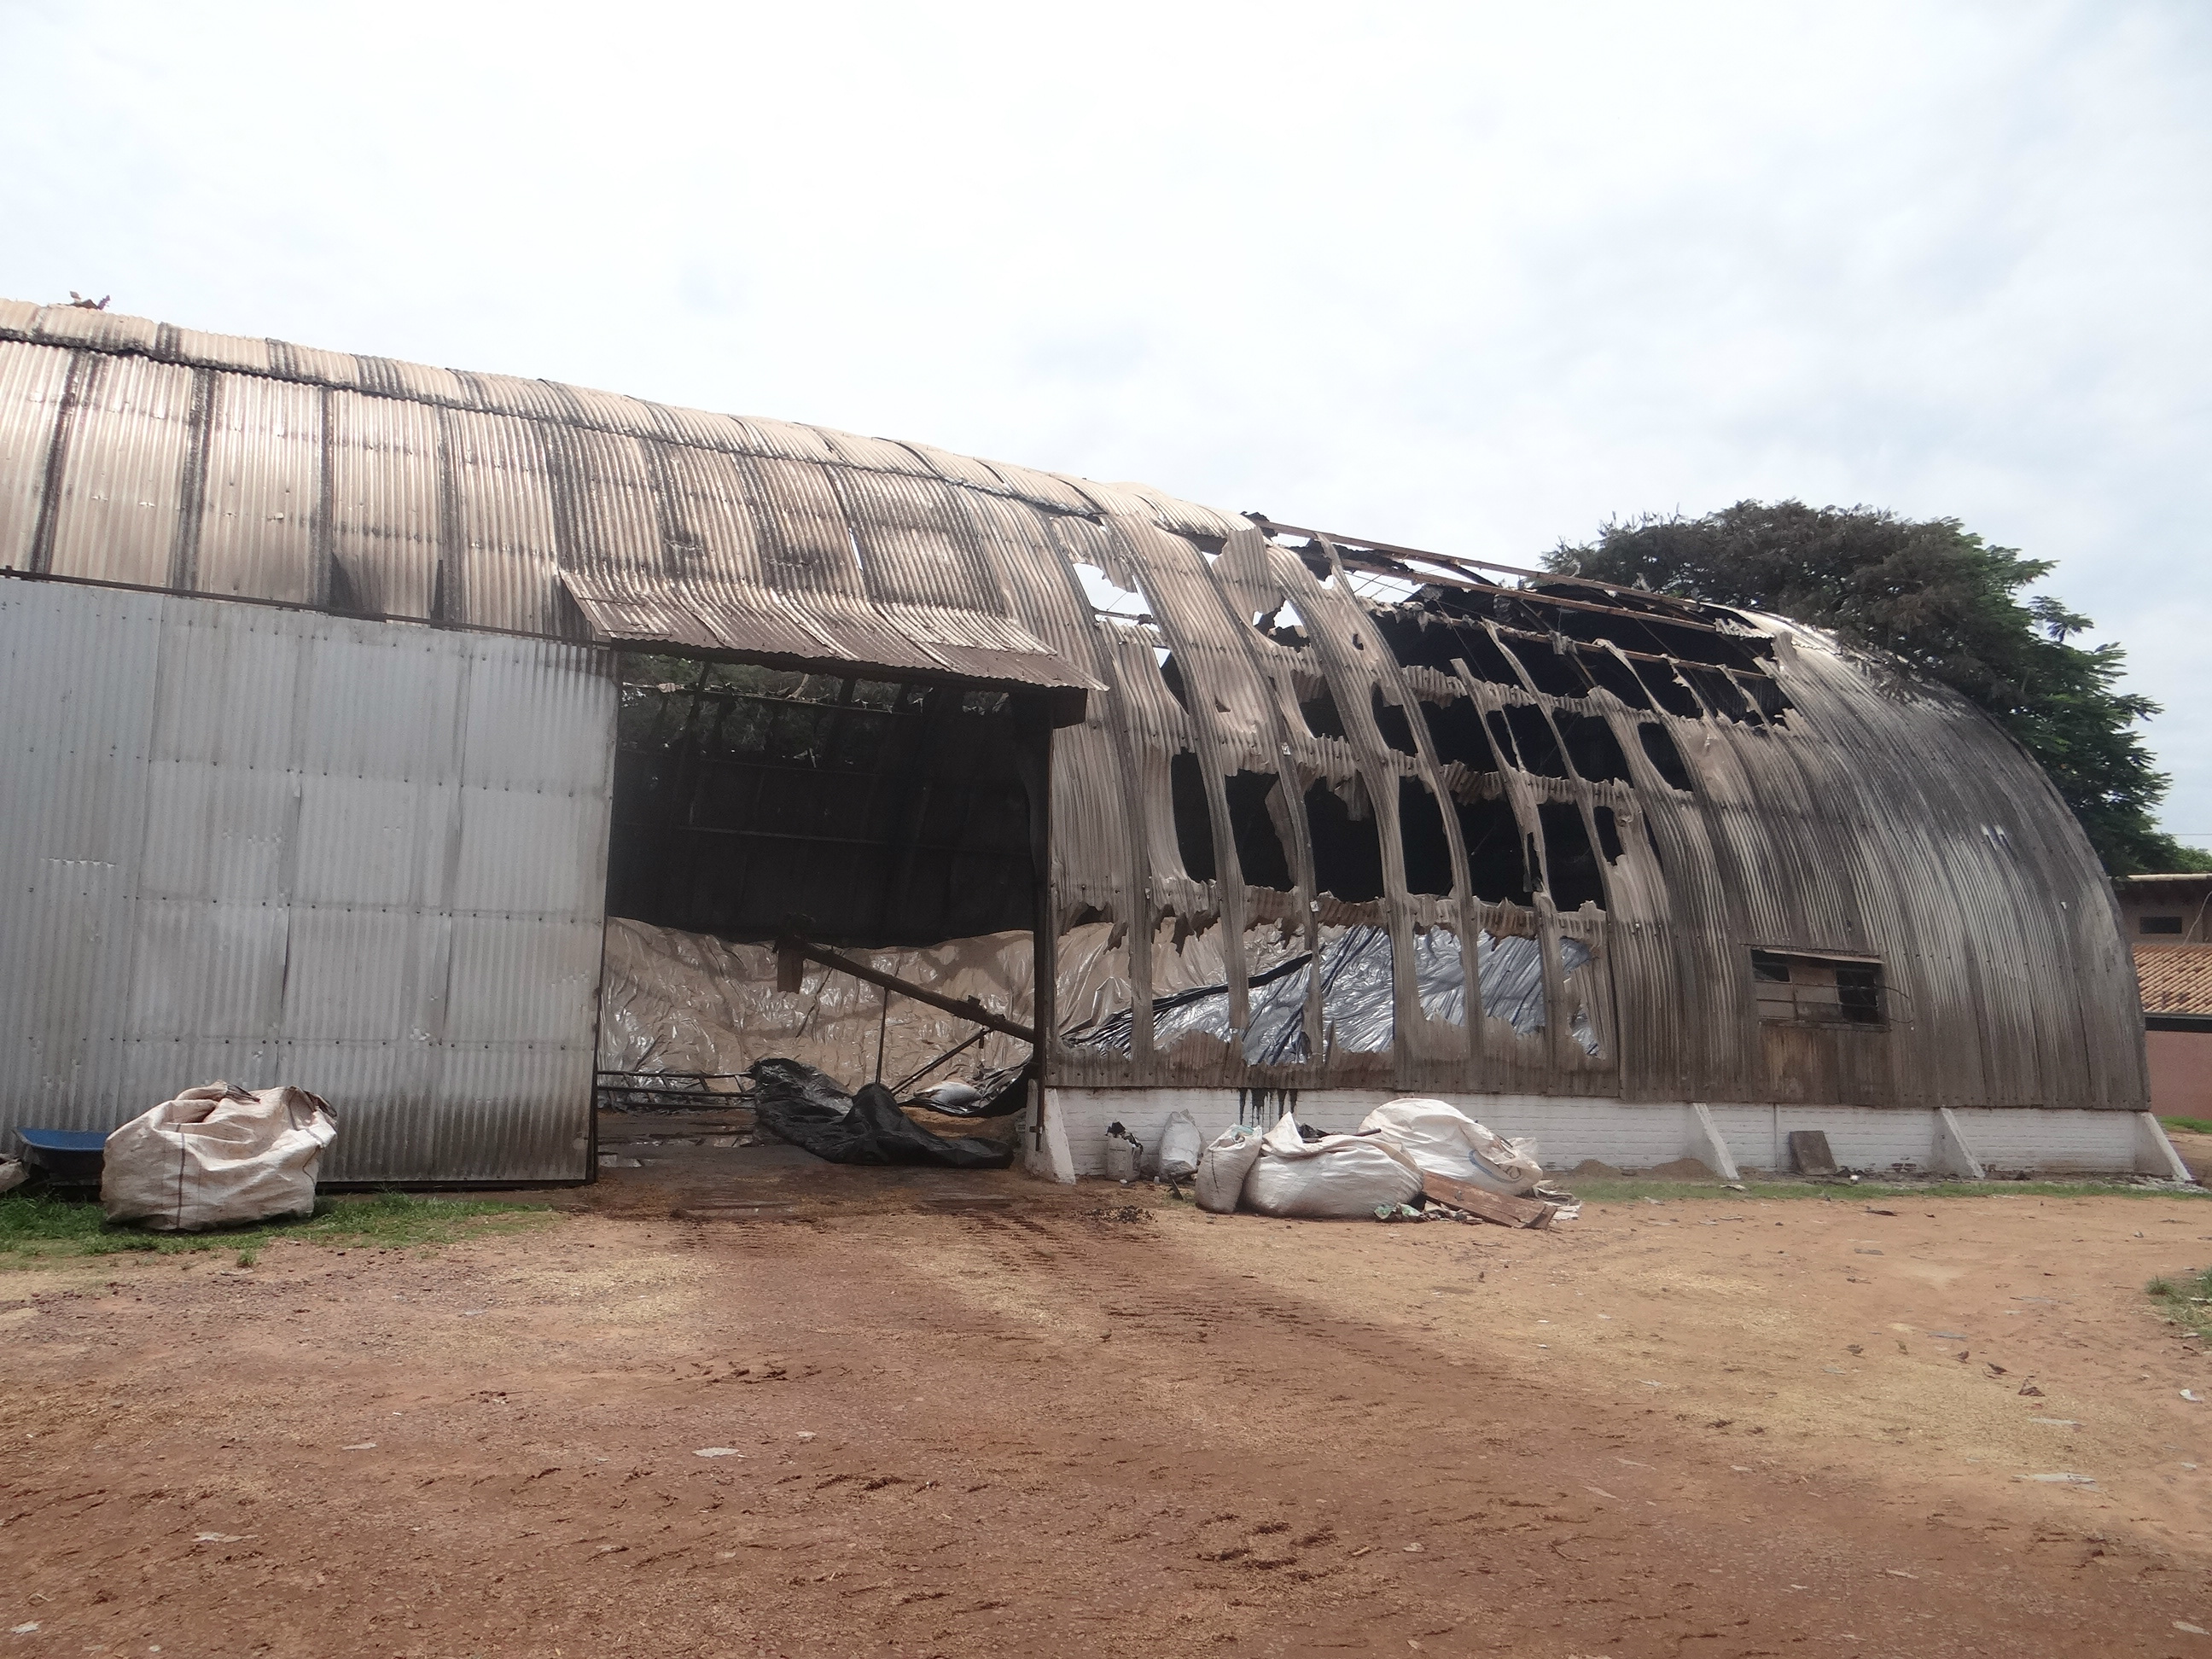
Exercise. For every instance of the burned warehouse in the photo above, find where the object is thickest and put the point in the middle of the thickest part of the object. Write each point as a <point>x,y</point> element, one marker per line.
<point>444,742</point>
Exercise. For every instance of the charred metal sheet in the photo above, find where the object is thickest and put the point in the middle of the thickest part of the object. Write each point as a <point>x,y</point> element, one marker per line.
<point>1291,738</point>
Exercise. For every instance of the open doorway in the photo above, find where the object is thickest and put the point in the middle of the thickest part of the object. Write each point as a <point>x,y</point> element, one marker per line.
<point>817,881</point>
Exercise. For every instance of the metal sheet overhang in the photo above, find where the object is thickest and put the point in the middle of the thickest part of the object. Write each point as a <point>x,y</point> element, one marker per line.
<point>895,642</point>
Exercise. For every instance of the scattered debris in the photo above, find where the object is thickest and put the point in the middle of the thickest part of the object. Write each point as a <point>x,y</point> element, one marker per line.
<point>1485,1206</point>
<point>2192,1396</point>
<point>796,1103</point>
<point>717,1452</point>
<point>2059,1480</point>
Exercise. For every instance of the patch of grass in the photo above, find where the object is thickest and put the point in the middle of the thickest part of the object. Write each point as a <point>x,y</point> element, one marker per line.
<point>2189,1126</point>
<point>40,1227</point>
<point>2187,1302</point>
<point>1624,1188</point>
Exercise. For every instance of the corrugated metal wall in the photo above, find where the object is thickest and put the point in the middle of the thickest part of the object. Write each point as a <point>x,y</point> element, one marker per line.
<point>278,846</point>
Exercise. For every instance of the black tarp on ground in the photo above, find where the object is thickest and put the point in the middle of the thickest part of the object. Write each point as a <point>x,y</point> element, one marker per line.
<point>798,1103</point>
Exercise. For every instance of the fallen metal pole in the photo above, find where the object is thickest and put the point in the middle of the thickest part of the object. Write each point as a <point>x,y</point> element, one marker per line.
<point>966,1008</point>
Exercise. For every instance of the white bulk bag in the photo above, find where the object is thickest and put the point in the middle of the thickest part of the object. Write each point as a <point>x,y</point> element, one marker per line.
<point>217,1156</point>
<point>1179,1146</point>
<point>1338,1176</point>
<point>1223,1166</point>
<point>1441,1139</point>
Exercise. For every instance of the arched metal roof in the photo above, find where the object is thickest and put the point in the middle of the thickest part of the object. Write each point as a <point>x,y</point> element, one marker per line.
<point>1295,744</point>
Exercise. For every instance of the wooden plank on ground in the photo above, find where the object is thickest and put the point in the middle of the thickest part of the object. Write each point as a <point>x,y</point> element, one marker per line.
<point>1489,1206</point>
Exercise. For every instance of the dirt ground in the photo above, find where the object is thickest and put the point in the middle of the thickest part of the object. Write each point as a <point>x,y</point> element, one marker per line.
<point>1040,1427</point>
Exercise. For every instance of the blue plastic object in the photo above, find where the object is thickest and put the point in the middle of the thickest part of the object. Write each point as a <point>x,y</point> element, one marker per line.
<point>69,1158</point>
<point>64,1140</point>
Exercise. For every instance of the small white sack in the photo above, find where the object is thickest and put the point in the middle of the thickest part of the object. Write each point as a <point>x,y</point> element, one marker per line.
<point>1179,1143</point>
<point>217,1156</point>
<point>1223,1166</point>
<point>1442,1139</point>
<point>1337,1177</point>
<point>12,1174</point>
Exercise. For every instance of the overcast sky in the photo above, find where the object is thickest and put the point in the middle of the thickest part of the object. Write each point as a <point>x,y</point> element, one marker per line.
<point>1472,277</point>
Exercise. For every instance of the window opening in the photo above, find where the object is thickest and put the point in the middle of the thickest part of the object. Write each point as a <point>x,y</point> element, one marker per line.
<point>1592,748</point>
<point>1721,691</point>
<point>1792,989</point>
<point>1108,597</point>
<point>1571,870</point>
<point>1556,673</point>
<point>2160,925</point>
<point>1533,738</point>
<point>1171,673</point>
<point>1252,827</point>
<point>1390,720</point>
<point>1668,691</point>
<point>1421,835</point>
<point>1575,977</point>
<point>1192,826</point>
<point>1608,834</point>
<point>1456,733</point>
<point>1347,851</point>
<point>1616,676</point>
<point>1283,625</point>
<point>1666,759</point>
<point>1496,868</point>
<point>1510,970</point>
<point>1768,696</point>
<point>1320,714</point>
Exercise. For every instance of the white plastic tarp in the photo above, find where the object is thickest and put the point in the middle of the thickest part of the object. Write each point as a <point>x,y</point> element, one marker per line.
<point>1439,1139</point>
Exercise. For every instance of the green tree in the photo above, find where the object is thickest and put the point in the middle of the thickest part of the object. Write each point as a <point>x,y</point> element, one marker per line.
<point>1948,603</point>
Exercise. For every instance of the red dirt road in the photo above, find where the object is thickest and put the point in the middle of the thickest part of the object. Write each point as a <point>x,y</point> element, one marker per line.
<point>1719,1429</point>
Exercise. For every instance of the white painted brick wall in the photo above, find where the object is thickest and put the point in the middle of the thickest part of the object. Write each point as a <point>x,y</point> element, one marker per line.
<point>1637,1136</point>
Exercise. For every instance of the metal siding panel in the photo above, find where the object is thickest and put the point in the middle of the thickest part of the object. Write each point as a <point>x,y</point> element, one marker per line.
<point>299,897</point>
<point>73,778</point>
<point>32,379</point>
<point>384,507</point>
<point>123,481</point>
<point>264,490</point>
<point>510,550</point>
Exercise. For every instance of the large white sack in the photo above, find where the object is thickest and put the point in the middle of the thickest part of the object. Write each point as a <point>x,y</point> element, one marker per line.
<point>217,1156</point>
<point>1223,1166</point>
<point>1179,1145</point>
<point>1336,1177</point>
<point>1442,1139</point>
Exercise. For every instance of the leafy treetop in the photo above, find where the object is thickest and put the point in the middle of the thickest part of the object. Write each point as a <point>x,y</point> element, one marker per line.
<point>1948,604</point>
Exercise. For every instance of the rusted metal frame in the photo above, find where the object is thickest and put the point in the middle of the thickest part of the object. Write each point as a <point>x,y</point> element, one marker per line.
<point>797,945</point>
<point>1207,747</point>
<point>1275,728</point>
<point>1513,786</point>
<point>1298,851</point>
<point>1304,880</point>
<point>1431,776</point>
<point>1380,780</point>
<point>1270,527</point>
<point>1113,719</point>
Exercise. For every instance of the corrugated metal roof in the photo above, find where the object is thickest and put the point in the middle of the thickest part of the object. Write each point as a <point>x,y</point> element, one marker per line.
<point>2176,979</point>
<point>1864,813</point>
<point>136,452</point>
